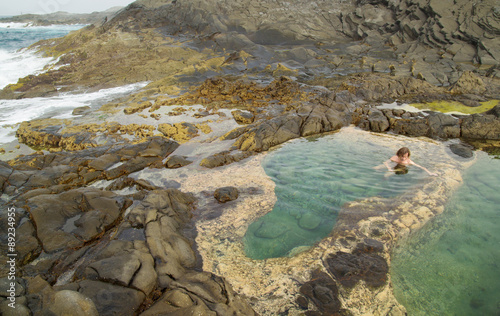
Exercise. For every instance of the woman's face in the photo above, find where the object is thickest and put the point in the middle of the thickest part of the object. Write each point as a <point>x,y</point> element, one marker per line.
<point>405,158</point>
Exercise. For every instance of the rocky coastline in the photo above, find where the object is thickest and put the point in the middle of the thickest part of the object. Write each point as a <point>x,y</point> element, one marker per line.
<point>138,207</point>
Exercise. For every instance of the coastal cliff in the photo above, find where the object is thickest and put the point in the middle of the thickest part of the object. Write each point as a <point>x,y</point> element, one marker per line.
<point>117,209</point>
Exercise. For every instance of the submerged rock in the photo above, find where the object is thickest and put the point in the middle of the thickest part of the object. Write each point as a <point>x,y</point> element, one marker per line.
<point>310,221</point>
<point>323,292</point>
<point>349,269</point>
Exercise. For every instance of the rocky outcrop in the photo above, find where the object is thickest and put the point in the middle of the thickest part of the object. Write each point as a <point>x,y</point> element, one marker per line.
<point>56,135</point>
<point>431,43</point>
<point>435,125</point>
<point>57,172</point>
<point>74,217</point>
<point>466,30</point>
<point>146,261</point>
<point>307,120</point>
<point>181,132</point>
<point>221,93</point>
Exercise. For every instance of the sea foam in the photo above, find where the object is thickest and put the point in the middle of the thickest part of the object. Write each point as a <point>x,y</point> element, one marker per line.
<point>13,112</point>
<point>15,65</point>
<point>17,61</point>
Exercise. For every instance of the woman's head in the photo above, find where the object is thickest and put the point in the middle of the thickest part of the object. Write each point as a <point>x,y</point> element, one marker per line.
<point>402,152</point>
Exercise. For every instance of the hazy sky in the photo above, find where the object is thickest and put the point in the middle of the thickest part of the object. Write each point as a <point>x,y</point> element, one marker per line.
<point>17,7</point>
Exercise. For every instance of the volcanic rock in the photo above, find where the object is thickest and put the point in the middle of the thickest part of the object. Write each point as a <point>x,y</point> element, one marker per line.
<point>226,194</point>
<point>461,150</point>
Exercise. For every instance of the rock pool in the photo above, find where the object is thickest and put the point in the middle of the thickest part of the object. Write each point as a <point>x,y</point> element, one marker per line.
<point>452,265</point>
<point>273,284</point>
<point>314,177</point>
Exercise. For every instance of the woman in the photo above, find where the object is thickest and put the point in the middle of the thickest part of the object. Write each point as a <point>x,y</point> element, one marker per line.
<point>402,160</point>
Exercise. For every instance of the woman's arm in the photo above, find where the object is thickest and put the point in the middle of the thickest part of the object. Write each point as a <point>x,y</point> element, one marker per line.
<point>423,168</point>
<point>387,164</point>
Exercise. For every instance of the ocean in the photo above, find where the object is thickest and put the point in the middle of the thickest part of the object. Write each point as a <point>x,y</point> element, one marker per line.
<point>18,61</point>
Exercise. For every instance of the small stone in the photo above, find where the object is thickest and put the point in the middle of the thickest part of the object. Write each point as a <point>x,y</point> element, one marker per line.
<point>226,194</point>
<point>175,161</point>
<point>81,110</point>
<point>242,117</point>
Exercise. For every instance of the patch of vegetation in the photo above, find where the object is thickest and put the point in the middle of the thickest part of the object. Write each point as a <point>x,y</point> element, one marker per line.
<point>455,106</point>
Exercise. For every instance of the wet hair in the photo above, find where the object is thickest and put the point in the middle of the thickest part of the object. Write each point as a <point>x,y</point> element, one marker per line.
<point>402,151</point>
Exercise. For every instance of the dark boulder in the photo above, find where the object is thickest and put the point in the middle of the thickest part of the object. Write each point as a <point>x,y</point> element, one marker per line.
<point>461,150</point>
<point>323,292</point>
<point>378,121</point>
<point>494,111</point>
<point>443,126</point>
<point>413,126</point>
<point>226,194</point>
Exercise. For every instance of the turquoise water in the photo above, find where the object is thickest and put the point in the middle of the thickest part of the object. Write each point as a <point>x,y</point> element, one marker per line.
<point>14,36</point>
<point>452,265</point>
<point>314,177</point>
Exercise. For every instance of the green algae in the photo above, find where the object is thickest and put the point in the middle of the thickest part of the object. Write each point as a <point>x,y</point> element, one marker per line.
<point>455,106</point>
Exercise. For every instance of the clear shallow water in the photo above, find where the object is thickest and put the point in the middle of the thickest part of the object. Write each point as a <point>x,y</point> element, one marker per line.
<point>452,265</point>
<point>314,177</point>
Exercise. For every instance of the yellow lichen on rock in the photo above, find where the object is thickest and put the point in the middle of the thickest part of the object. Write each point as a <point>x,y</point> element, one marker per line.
<point>180,132</point>
<point>137,107</point>
<point>204,127</point>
